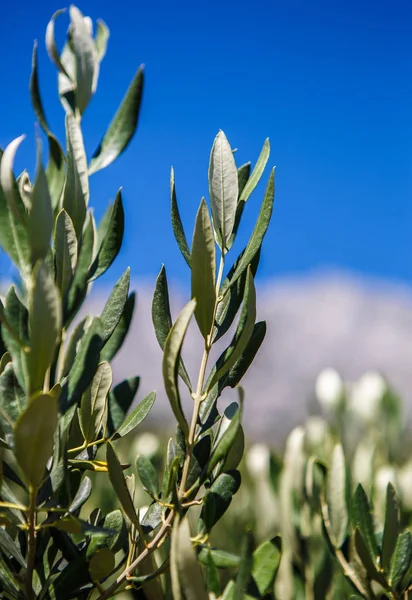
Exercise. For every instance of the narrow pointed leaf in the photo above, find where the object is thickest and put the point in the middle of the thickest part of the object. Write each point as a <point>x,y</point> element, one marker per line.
<point>8,182</point>
<point>122,127</point>
<point>40,221</point>
<point>120,400</point>
<point>86,59</point>
<point>148,475</point>
<point>93,408</point>
<point>392,526</point>
<point>11,549</point>
<point>65,249</point>
<point>51,44</point>
<point>102,37</point>
<point>362,518</point>
<point>45,322</point>
<point>33,437</point>
<point>79,286</point>
<point>55,171</point>
<point>177,221</point>
<point>258,233</point>
<point>220,495</point>
<point>171,356</point>
<point>111,244</point>
<point>138,414</point>
<point>203,266</point>
<point>249,187</point>
<point>13,236</point>
<point>244,331</point>
<point>113,309</point>
<point>82,494</point>
<point>162,318</point>
<point>227,434</point>
<point>116,339</point>
<point>401,560</point>
<point>35,93</point>
<point>16,339</point>
<point>223,188</point>
<point>119,485</point>
<point>76,190</point>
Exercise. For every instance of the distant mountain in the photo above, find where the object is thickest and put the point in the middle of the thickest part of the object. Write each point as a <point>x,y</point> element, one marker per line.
<point>326,319</point>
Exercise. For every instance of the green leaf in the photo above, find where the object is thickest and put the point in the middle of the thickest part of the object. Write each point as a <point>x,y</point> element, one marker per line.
<point>221,558</point>
<point>72,346</point>
<point>93,407</point>
<point>162,318</point>
<point>33,437</point>
<point>171,356</point>
<point>13,401</point>
<point>217,500</point>
<point>51,44</point>
<point>401,560</point>
<point>113,309</point>
<point>35,93</point>
<point>227,433</point>
<point>82,495</point>
<point>115,341</point>
<point>392,527</point>
<point>240,367</point>
<point>101,564</point>
<point>113,521</point>
<point>45,322</point>
<point>203,266</point>
<point>258,234</point>
<point>362,518</point>
<point>148,475</point>
<point>119,485</point>
<point>84,365</point>
<point>368,563</point>
<point>243,174</point>
<point>223,188</point>
<point>40,221</point>
<point>212,576</point>
<point>65,249</point>
<point>336,496</point>
<point>83,47</point>
<point>15,334</point>
<point>102,37</point>
<point>55,171</point>
<point>186,574</point>
<point>78,288</point>
<point>249,186</point>
<point>121,128</point>
<point>266,560</point>
<point>8,182</point>
<point>177,221</point>
<point>111,244</point>
<point>242,336</point>
<point>76,190</point>
<point>13,236</point>
<point>245,568</point>
<point>120,400</point>
<point>10,549</point>
<point>9,581</point>
<point>138,414</point>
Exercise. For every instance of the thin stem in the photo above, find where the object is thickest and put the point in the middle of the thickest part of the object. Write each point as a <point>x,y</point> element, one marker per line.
<point>151,546</point>
<point>31,543</point>
<point>191,439</point>
<point>346,567</point>
<point>85,446</point>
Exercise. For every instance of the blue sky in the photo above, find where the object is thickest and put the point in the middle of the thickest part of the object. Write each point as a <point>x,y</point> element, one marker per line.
<point>329,82</point>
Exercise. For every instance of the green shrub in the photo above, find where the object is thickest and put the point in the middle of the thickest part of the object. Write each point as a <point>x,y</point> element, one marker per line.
<point>60,419</point>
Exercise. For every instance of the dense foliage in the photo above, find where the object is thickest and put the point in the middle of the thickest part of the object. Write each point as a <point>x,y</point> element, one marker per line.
<point>89,507</point>
<point>60,418</point>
